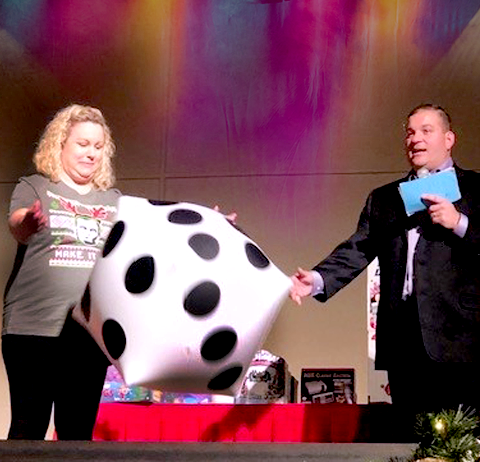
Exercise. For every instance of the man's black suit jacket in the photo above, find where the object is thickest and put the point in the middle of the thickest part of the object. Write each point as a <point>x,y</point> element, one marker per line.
<point>446,274</point>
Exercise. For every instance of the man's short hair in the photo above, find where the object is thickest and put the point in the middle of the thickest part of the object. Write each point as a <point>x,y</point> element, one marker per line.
<point>444,115</point>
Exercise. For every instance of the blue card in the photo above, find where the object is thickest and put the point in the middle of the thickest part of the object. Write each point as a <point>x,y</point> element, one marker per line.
<point>444,184</point>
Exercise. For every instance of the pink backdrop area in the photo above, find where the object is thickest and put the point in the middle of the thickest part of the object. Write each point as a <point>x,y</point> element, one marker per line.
<point>237,87</point>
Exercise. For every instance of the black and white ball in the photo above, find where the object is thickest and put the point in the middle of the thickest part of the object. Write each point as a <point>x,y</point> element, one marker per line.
<point>180,299</point>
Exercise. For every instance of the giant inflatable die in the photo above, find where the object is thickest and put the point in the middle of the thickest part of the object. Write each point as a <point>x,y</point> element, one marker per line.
<point>181,299</point>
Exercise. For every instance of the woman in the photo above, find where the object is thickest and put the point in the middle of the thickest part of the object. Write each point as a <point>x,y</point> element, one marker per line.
<point>60,218</point>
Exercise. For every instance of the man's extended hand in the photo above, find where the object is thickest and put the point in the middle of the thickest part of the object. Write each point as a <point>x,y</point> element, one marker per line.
<point>441,211</point>
<point>302,285</point>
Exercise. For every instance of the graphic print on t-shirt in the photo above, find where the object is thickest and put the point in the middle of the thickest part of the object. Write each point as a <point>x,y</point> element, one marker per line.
<point>78,231</point>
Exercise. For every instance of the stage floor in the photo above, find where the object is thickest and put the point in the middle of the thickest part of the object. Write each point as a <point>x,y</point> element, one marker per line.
<point>27,451</point>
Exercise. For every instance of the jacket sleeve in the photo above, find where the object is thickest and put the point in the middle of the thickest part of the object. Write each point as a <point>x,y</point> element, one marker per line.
<point>469,205</point>
<point>349,258</point>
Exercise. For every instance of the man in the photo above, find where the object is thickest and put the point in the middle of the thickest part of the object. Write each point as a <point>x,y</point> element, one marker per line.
<point>428,322</point>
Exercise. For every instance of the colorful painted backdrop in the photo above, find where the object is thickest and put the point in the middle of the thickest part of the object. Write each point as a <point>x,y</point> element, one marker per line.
<point>288,112</point>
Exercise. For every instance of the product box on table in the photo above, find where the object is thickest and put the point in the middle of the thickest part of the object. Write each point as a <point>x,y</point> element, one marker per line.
<point>328,386</point>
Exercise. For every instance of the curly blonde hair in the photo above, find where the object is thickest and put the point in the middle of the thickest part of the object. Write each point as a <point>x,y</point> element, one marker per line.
<point>47,155</point>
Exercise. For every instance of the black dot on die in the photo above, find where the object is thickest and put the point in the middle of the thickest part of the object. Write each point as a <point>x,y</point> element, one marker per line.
<point>255,256</point>
<point>219,344</point>
<point>85,303</point>
<point>160,203</point>
<point>226,378</point>
<point>114,338</point>
<point>114,237</point>
<point>140,275</point>
<point>184,217</point>
<point>204,245</point>
<point>202,299</point>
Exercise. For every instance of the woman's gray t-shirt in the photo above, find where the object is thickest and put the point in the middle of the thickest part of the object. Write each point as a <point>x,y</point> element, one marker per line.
<point>51,272</point>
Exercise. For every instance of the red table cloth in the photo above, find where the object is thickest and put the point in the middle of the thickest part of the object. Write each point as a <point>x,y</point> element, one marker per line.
<point>308,422</point>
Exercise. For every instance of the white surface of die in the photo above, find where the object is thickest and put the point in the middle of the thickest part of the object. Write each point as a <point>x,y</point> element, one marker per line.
<point>181,299</point>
